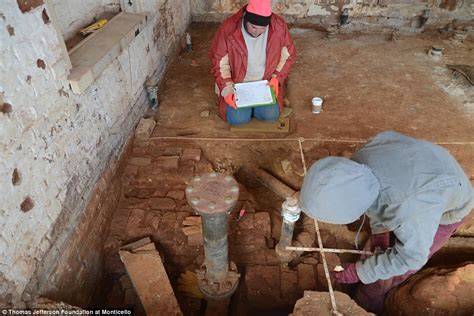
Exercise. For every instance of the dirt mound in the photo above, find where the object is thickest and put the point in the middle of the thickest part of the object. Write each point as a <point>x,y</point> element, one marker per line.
<point>444,290</point>
<point>319,303</point>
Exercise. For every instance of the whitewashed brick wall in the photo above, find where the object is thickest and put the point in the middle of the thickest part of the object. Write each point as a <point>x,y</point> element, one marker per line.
<point>388,13</point>
<point>61,142</point>
<point>73,15</point>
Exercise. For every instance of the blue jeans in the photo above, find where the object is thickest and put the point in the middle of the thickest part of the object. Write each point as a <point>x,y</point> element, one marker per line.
<point>268,113</point>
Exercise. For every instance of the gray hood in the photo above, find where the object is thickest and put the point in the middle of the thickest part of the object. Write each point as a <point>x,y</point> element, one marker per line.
<point>338,190</point>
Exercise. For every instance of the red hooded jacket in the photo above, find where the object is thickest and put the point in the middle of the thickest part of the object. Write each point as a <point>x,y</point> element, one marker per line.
<point>228,55</point>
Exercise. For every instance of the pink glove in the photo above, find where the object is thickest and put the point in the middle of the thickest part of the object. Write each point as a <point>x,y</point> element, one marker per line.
<point>348,276</point>
<point>230,100</point>
<point>381,241</point>
<point>274,84</point>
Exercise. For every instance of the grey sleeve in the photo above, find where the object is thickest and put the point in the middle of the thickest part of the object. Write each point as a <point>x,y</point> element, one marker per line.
<point>414,238</point>
<point>377,227</point>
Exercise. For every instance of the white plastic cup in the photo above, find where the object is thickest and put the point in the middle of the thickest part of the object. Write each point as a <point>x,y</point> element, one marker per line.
<point>317,105</point>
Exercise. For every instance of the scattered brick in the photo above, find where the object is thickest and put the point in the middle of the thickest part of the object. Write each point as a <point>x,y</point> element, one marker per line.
<point>191,154</point>
<point>137,244</point>
<point>163,204</point>
<point>140,161</point>
<point>145,128</point>
<point>150,246</point>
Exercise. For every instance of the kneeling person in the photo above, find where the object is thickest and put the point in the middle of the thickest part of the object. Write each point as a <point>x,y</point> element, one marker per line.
<point>251,45</point>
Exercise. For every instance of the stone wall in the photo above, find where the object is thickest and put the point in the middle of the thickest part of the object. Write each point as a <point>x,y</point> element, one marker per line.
<point>56,144</point>
<point>394,14</point>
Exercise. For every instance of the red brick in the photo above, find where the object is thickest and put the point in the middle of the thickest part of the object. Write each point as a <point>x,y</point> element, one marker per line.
<point>131,170</point>
<point>163,204</point>
<point>140,161</point>
<point>153,219</point>
<point>246,222</point>
<point>322,281</point>
<point>195,240</point>
<point>140,143</point>
<point>306,277</point>
<point>191,154</point>
<point>263,285</point>
<point>262,223</point>
<point>186,170</point>
<point>289,286</point>
<point>173,151</point>
<point>139,193</point>
<point>332,259</point>
<point>176,195</point>
<point>167,162</point>
<point>139,151</point>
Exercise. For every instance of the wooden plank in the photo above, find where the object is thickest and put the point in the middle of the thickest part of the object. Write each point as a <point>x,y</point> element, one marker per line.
<point>151,282</point>
<point>282,125</point>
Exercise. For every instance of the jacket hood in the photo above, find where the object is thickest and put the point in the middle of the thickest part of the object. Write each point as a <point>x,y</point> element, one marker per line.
<point>338,190</point>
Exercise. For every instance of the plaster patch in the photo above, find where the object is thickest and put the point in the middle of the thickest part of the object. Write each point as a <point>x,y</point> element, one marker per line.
<point>317,10</point>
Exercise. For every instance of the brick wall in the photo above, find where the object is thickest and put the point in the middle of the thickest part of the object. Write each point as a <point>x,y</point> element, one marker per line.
<point>398,14</point>
<point>55,144</point>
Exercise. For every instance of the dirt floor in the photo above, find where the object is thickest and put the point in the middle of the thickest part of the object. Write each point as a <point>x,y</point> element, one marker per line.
<point>369,84</point>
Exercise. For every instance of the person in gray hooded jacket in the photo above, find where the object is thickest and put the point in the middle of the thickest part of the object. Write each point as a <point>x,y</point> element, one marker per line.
<point>414,193</point>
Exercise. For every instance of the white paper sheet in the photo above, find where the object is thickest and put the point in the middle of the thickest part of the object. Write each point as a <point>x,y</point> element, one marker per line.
<point>253,93</point>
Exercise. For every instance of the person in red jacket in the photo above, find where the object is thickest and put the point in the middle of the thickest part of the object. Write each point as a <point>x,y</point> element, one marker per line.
<point>253,44</point>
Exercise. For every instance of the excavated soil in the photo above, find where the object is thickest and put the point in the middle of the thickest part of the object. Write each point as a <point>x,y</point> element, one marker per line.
<point>369,84</point>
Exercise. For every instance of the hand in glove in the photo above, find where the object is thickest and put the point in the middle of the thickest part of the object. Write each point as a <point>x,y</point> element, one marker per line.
<point>274,84</point>
<point>348,276</point>
<point>230,100</point>
<point>381,241</point>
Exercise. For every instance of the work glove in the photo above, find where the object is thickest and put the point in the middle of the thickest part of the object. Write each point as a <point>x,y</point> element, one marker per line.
<point>348,276</point>
<point>381,241</point>
<point>274,84</point>
<point>230,100</point>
